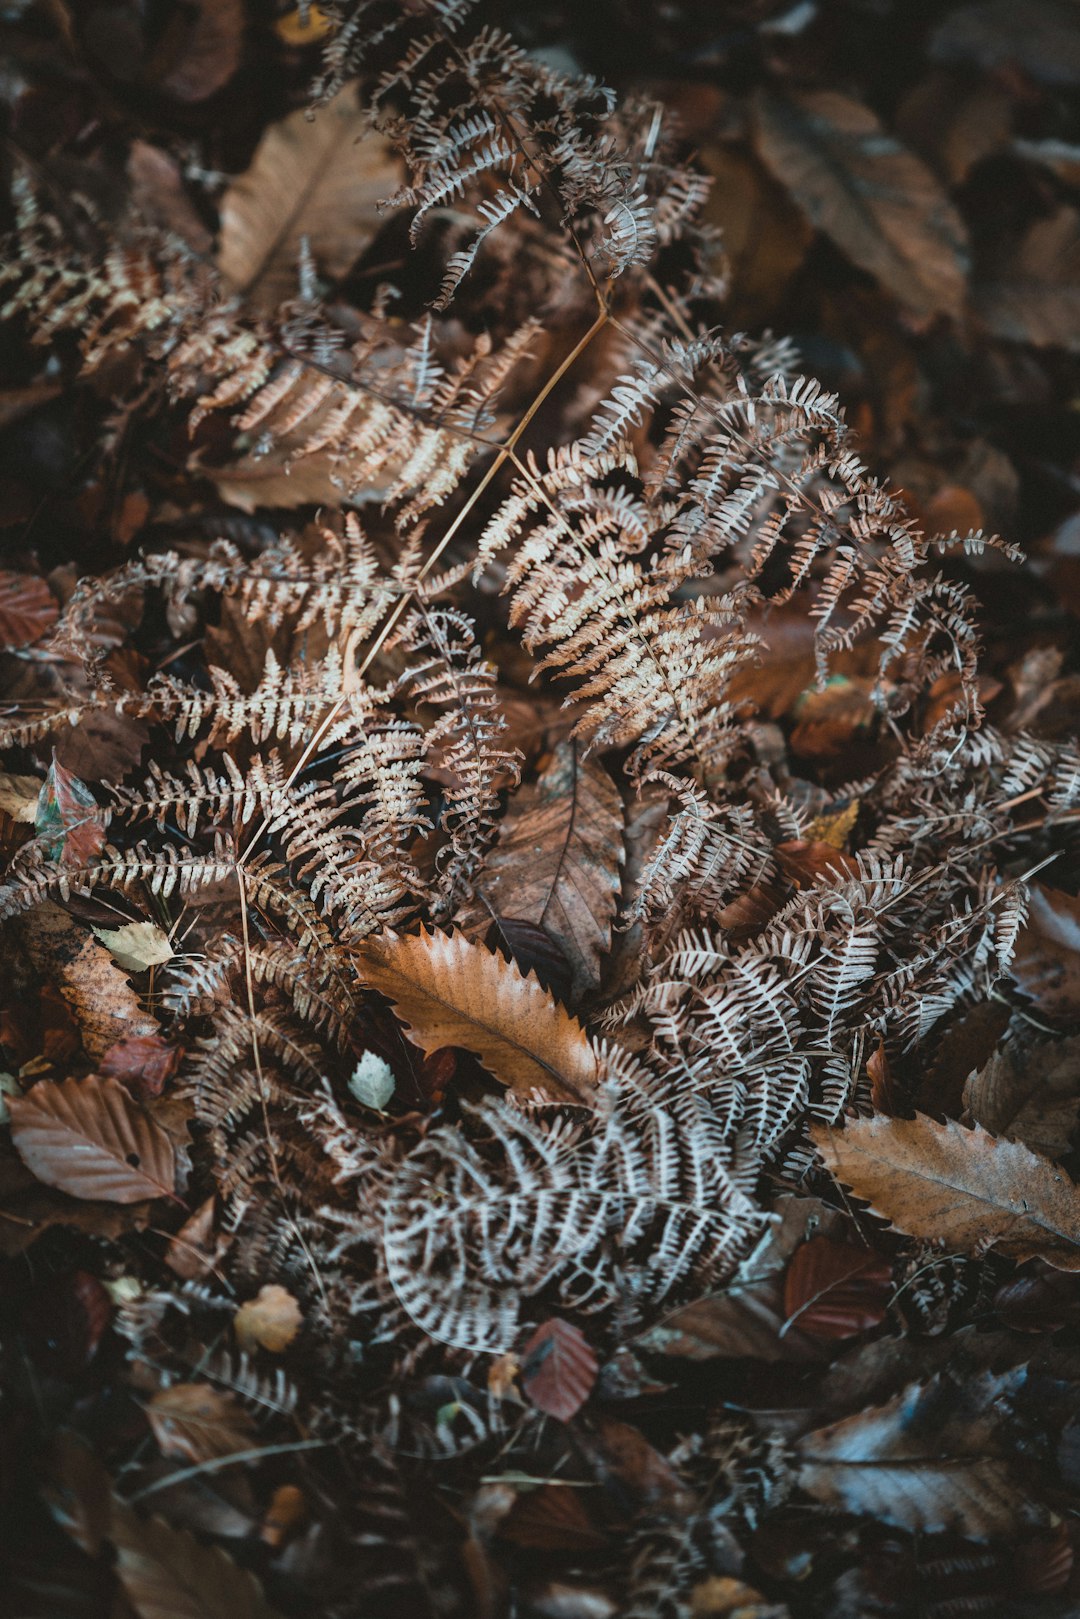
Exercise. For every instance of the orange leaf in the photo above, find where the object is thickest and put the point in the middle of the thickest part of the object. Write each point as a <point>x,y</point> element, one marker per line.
<point>89,1139</point>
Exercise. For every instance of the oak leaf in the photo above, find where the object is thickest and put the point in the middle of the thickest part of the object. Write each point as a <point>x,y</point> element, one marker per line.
<point>270,1321</point>
<point>88,1138</point>
<point>878,201</point>
<point>963,1188</point>
<point>319,178</point>
<point>198,1423</point>
<point>557,858</point>
<point>450,992</point>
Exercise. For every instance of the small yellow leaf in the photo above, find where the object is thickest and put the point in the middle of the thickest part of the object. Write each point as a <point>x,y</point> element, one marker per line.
<point>297,29</point>
<point>137,946</point>
<point>270,1321</point>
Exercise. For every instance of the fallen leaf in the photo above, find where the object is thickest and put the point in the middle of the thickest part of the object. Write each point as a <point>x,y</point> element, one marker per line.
<point>883,1089</point>
<point>19,797</point>
<point>99,995</point>
<point>89,1139</point>
<point>68,819</point>
<point>1038,36</point>
<point>372,1081</point>
<point>878,202</point>
<point>198,1422</point>
<point>533,950</point>
<point>159,195</point>
<point>286,1514</point>
<point>167,1574</point>
<point>556,861</point>
<point>195,1248</point>
<point>319,178</point>
<point>962,1188</point>
<point>1032,294</point>
<point>558,1368</point>
<point>805,861</point>
<point>137,946</point>
<point>834,1290</point>
<point>1029,1094</point>
<point>211,53</point>
<point>1046,961</point>
<point>269,1321</point>
<point>28,609</point>
<point>552,1518</point>
<point>449,992</point>
<point>144,1063</point>
<point>920,1462</point>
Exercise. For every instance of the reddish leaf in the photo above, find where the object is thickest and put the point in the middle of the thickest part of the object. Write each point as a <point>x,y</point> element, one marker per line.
<point>882,1085</point>
<point>143,1062</point>
<point>558,1369</point>
<point>68,818</point>
<point>805,861</point>
<point>436,1072</point>
<point>28,609</point>
<point>66,1322</point>
<point>89,1139</point>
<point>534,950</point>
<point>835,1290</point>
<point>552,1518</point>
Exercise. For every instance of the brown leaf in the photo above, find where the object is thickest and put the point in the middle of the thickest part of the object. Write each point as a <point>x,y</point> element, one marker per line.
<point>552,1518</point>
<point>195,1248</point>
<point>1030,1095</point>
<point>198,1422</point>
<point>876,200</point>
<point>270,1321</point>
<point>449,992</point>
<point>89,1139</point>
<point>157,190</point>
<point>1032,295</point>
<point>827,721</point>
<point>883,1088</point>
<point>1038,36</point>
<point>103,1002</point>
<point>211,53</point>
<point>1046,963</point>
<point>805,861</point>
<point>285,1516</point>
<point>622,1455</point>
<point>533,950</point>
<point>28,609</point>
<point>959,1187</point>
<point>557,858</point>
<point>144,1062</point>
<point>835,1290</point>
<point>168,1574</point>
<point>321,178</point>
<point>920,1461</point>
<point>558,1368</point>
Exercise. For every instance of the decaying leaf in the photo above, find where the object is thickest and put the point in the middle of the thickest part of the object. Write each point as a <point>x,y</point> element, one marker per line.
<point>880,203</point>
<point>67,818</point>
<point>198,1422</point>
<point>28,609</point>
<point>449,992</point>
<point>835,1290</point>
<point>1046,962</point>
<point>168,1574</point>
<point>19,797</point>
<point>104,1004</point>
<point>1029,1094</point>
<point>558,1368</point>
<point>270,1321</point>
<point>137,946</point>
<point>319,179</point>
<point>556,862</point>
<point>924,1461</point>
<point>89,1139</point>
<point>1032,295</point>
<point>962,1188</point>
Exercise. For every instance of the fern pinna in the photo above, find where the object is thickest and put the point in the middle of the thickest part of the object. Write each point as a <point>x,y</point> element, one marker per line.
<point>653,966</point>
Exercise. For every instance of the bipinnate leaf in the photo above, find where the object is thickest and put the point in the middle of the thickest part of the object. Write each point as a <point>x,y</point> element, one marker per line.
<point>168,1574</point>
<point>88,1138</point>
<point>556,862</point>
<point>450,992</point>
<point>876,200</point>
<point>558,1368</point>
<point>920,1461</point>
<point>318,178</point>
<point>963,1188</point>
<point>198,1422</point>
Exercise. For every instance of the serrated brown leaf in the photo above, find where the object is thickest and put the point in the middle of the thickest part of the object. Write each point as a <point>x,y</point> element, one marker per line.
<point>449,992</point>
<point>28,609</point>
<point>198,1422</point>
<point>558,1368</point>
<point>963,1188</point>
<point>834,1290</point>
<point>557,858</point>
<point>88,1138</point>
<point>1029,1094</point>
<point>321,178</point>
<point>168,1574</point>
<point>877,201</point>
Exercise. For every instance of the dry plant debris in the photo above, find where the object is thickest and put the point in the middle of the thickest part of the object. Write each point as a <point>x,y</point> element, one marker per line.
<point>538,1059</point>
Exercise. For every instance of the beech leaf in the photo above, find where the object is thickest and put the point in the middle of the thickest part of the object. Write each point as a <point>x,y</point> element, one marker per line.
<point>88,1138</point>
<point>318,178</point>
<point>28,609</point>
<point>270,1321</point>
<point>557,858</point>
<point>198,1422</point>
<point>449,992</point>
<point>558,1368</point>
<point>168,1574</point>
<point>876,200</point>
<point>963,1188</point>
<point>834,1290</point>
